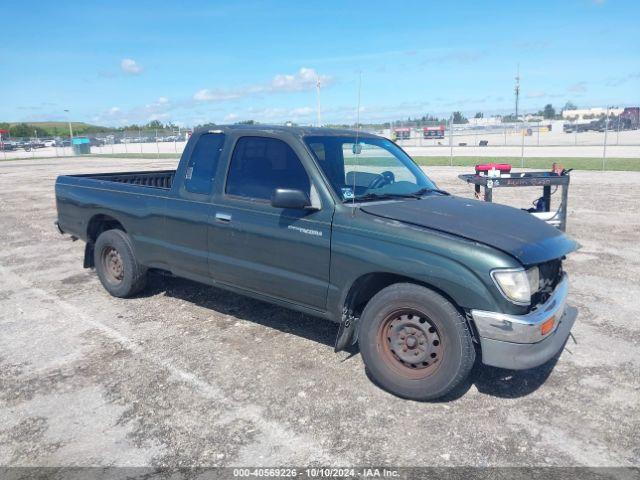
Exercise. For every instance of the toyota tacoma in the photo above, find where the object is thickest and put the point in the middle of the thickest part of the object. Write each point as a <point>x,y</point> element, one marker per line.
<point>345,226</point>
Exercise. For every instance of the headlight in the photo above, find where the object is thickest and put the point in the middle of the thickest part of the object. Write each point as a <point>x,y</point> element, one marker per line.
<point>517,285</point>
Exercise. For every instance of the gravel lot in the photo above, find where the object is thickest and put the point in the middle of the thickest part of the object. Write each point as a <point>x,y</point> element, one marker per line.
<point>191,375</point>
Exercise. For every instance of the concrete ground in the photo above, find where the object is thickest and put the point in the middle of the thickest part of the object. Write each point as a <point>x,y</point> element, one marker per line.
<point>190,375</point>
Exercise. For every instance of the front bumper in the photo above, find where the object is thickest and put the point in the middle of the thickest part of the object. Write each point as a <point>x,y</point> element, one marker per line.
<point>516,341</point>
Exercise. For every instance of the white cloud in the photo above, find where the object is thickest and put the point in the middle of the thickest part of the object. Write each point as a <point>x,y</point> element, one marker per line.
<point>156,110</point>
<point>617,81</point>
<point>158,116</point>
<point>206,95</point>
<point>272,115</point>
<point>301,112</point>
<point>578,87</point>
<point>130,66</point>
<point>303,79</point>
<point>160,104</point>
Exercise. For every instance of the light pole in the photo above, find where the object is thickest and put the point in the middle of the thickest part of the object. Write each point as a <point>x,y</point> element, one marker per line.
<point>451,140</point>
<point>70,131</point>
<point>318,101</point>
<point>604,147</point>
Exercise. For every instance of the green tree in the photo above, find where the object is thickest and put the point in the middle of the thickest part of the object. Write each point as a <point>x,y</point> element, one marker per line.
<point>479,115</point>
<point>154,124</point>
<point>569,106</point>
<point>458,117</point>
<point>21,130</point>
<point>549,111</point>
<point>511,118</point>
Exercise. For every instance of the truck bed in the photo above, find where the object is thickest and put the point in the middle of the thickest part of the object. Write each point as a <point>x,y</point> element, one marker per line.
<point>156,179</point>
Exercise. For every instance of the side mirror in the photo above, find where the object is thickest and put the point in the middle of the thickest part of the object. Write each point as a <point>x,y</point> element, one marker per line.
<point>291,199</point>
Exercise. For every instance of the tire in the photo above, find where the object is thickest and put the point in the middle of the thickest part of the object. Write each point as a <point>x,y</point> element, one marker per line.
<point>414,343</point>
<point>119,272</point>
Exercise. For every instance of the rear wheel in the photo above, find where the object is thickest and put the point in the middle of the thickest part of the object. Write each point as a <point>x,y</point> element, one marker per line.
<point>119,271</point>
<point>415,343</point>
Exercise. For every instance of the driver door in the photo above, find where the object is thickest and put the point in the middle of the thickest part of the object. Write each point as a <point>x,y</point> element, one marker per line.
<point>272,251</point>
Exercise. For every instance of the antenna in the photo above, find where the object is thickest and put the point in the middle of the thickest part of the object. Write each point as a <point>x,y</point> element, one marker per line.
<point>517,89</point>
<point>318,97</point>
<point>355,145</point>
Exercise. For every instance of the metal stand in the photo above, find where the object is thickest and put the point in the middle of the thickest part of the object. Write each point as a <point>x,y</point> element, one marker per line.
<point>530,179</point>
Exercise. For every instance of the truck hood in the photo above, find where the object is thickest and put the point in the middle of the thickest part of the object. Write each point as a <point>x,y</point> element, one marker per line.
<point>513,231</point>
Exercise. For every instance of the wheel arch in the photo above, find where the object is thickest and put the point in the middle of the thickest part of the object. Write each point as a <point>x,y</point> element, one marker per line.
<point>363,289</point>
<point>97,224</point>
<point>369,284</point>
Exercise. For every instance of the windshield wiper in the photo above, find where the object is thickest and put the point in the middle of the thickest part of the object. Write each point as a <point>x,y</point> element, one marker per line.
<point>389,196</point>
<point>381,196</point>
<point>426,190</point>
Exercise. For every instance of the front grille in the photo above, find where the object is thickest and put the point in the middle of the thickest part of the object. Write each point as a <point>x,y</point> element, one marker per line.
<point>550,275</point>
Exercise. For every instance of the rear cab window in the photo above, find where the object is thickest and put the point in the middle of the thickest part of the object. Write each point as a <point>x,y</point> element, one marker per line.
<point>203,163</point>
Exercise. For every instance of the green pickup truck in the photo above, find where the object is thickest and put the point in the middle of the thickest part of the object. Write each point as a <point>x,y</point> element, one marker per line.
<point>341,225</point>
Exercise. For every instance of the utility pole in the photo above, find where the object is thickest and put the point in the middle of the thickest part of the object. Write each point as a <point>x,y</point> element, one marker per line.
<point>522,133</point>
<point>70,133</point>
<point>604,147</point>
<point>318,99</point>
<point>517,90</point>
<point>451,140</point>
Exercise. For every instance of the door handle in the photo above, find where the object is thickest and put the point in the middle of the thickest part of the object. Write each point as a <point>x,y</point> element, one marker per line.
<point>223,217</point>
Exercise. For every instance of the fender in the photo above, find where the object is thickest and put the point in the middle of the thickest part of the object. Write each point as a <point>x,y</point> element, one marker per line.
<point>463,287</point>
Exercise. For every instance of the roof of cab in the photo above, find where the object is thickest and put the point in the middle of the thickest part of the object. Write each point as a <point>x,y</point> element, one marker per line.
<point>298,131</point>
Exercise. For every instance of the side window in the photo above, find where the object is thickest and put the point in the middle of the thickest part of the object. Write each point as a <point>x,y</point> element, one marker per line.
<point>203,163</point>
<point>259,165</point>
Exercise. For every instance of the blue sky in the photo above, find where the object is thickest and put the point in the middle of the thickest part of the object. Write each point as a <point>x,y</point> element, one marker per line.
<point>192,62</point>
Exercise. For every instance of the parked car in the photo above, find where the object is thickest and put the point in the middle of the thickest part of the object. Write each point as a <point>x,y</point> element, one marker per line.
<point>615,123</point>
<point>28,145</point>
<point>96,142</point>
<point>576,127</point>
<point>344,226</point>
<point>8,146</point>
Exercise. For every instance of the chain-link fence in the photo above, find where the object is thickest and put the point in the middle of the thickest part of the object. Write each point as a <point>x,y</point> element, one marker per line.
<point>598,140</point>
<point>601,141</point>
<point>162,143</point>
<point>545,134</point>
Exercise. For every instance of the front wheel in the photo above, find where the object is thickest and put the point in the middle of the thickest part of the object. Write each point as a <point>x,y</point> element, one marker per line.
<point>119,271</point>
<point>415,343</point>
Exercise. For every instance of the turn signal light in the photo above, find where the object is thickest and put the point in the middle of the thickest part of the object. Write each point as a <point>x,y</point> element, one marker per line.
<point>547,326</point>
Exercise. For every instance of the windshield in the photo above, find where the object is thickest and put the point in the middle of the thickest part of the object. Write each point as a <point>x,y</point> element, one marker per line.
<point>370,169</point>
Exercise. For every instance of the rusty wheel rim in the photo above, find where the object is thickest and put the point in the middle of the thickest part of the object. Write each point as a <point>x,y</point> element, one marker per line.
<point>112,264</point>
<point>411,344</point>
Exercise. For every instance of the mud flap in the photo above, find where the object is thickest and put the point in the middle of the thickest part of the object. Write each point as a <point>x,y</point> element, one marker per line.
<point>347,333</point>
<point>88,256</point>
